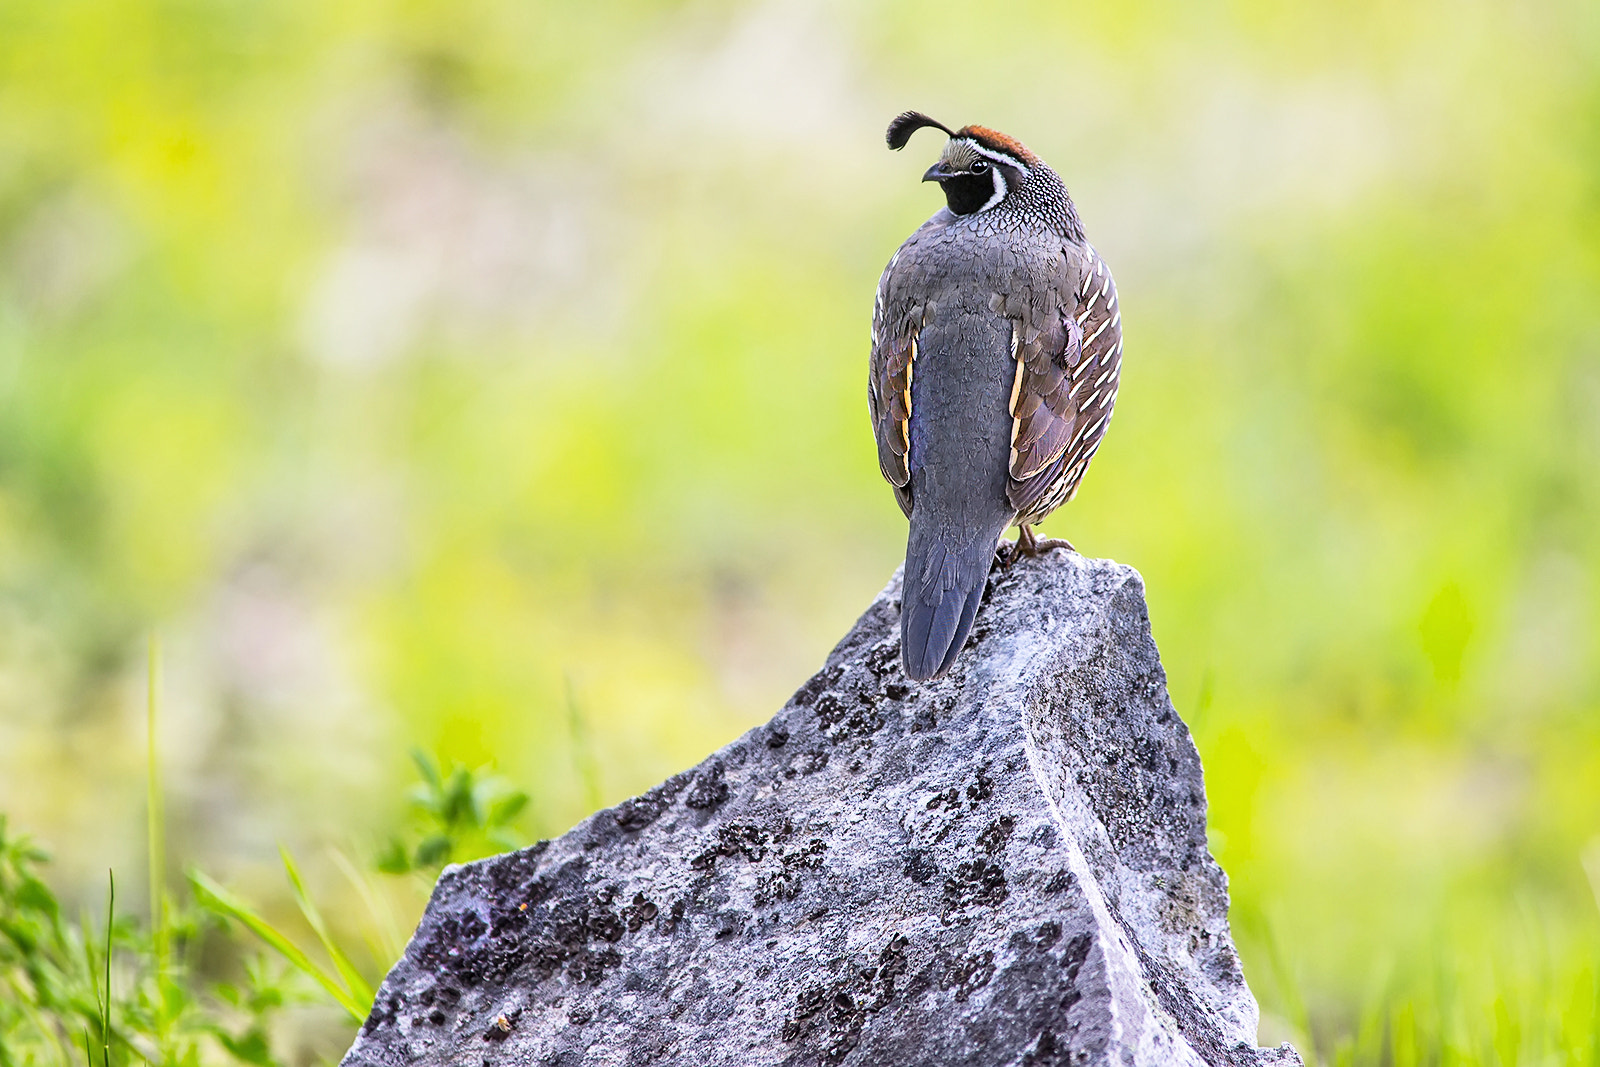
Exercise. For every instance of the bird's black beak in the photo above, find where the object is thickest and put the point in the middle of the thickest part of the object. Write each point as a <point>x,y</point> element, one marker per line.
<point>938,173</point>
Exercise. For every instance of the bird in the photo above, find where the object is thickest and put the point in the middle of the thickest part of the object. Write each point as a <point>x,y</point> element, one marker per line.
<point>996,359</point>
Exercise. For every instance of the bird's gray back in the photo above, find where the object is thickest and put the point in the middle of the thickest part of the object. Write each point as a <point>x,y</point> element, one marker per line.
<point>960,422</point>
<point>956,284</point>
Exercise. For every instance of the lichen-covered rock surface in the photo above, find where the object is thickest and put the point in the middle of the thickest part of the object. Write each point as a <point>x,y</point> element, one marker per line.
<point>1004,867</point>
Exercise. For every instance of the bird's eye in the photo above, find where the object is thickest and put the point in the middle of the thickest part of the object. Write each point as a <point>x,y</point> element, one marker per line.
<point>979,166</point>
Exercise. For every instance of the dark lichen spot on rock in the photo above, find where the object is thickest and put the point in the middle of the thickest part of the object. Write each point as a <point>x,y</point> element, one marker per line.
<point>639,912</point>
<point>638,980</point>
<point>884,658</point>
<point>967,974</point>
<point>981,788</point>
<point>384,1011</point>
<point>919,867</point>
<point>1044,836</point>
<point>709,788</point>
<point>1059,882</point>
<point>606,925</point>
<point>807,763</point>
<point>777,737</point>
<point>734,839</point>
<point>457,948</point>
<point>995,836</point>
<point>929,713</point>
<point>815,685</point>
<point>976,882</point>
<point>589,967</point>
<point>516,869</point>
<point>785,883</point>
<point>635,814</point>
<point>841,721</point>
<point>829,1016</point>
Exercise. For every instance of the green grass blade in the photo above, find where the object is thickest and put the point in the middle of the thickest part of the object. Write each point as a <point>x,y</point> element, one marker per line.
<point>155,837</point>
<point>220,900</point>
<point>388,942</point>
<point>111,919</point>
<point>92,970</point>
<point>357,985</point>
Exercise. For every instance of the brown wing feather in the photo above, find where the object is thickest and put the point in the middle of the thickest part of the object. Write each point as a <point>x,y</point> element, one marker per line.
<point>889,396</point>
<point>1066,387</point>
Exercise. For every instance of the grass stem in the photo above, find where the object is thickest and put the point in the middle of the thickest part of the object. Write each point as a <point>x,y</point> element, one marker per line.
<point>155,827</point>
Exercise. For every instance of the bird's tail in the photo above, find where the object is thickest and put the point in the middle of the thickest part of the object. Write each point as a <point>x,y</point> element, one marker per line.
<point>941,591</point>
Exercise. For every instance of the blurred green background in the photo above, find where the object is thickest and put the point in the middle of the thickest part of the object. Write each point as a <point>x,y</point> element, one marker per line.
<point>488,377</point>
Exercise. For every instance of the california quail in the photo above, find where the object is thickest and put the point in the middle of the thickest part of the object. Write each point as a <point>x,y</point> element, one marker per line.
<point>996,350</point>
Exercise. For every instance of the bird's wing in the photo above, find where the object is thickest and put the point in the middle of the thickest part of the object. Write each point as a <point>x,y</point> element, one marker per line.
<point>897,319</point>
<point>889,397</point>
<point>1067,374</point>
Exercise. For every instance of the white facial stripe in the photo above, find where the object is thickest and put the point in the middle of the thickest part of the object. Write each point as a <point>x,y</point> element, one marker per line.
<point>998,157</point>
<point>999,190</point>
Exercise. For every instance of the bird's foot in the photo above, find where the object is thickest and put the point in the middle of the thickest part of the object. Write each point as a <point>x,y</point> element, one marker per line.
<point>1050,544</point>
<point>1030,545</point>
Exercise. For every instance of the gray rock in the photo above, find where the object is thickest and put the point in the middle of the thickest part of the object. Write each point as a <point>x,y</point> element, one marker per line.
<point>1004,867</point>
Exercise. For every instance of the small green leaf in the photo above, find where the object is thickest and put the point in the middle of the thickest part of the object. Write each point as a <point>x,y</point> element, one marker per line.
<point>433,850</point>
<point>459,809</point>
<point>393,859</point>
<point>507,808</point>
<point>426,767</point>
<point>34,895</point>
<point>251,1046</point>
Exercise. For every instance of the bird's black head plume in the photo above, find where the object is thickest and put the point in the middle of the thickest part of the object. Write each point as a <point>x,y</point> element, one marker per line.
<point>908,123</point>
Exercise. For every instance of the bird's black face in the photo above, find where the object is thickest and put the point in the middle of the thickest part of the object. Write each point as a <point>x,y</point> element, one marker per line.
<point>968,191</point>
<point>972,178</point>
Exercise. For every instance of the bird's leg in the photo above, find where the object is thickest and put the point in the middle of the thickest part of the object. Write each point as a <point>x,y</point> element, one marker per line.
<point>1026,542</point>
<point>1009,552</point>
<point>1030,545</point>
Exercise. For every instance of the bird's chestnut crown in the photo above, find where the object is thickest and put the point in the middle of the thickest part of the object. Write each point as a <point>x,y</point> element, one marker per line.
<point>977,169</point>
